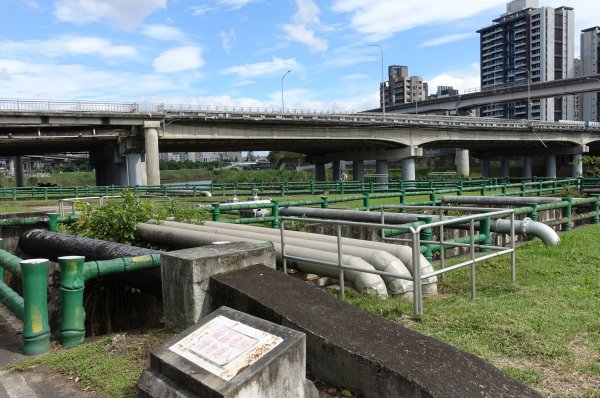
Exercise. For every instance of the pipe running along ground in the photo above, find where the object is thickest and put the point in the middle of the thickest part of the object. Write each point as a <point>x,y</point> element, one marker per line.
<point>525,227</point>
<point>379,259</point>
<point>183,238</point>
<point>403,253</point>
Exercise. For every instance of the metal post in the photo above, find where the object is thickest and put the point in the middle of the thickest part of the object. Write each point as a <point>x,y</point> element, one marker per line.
<point>52,222</point>
<point>417,296</point>
<point>36,330</point>
<point>283,259</point>
<point>72,284</point>
<point>216,213</point>
<point>282,102</point>
<point>382,81</point>
<point>275,214</point>
<point>339,242</point>
<point>513,255</point>
<point>442,253</point>
<point>472,248</point>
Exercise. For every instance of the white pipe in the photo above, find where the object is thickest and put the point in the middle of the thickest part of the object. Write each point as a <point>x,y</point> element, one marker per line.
<point>528,227</point>
<point>403,253</point>
<point>364,282</point>
<point>379,259</point>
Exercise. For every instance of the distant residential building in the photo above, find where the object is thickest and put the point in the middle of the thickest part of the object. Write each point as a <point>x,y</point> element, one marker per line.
<point>528,44</point>
<point>590,65</point>
<point>402,88</point>
<point>444,91</point>
<point>577,98</point>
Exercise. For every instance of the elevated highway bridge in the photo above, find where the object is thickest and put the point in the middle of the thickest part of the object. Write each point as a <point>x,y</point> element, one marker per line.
<point>124,139</point>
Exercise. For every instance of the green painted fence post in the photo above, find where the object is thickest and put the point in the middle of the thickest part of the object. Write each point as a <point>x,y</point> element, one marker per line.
<point>522,191</point>
<point>2,269</point>
<point>432,198</point>
<point>216,211</point>
<point>427,234</point>
<point>366,200</point>
<point>52,222</point>
<point>312,187</point>
<point>324,203</point>
<point>566,213</point>
<point>36,331</point>
<point>484,228</point>
<point>275,214</point>
<point>595,208</point>
<point>533,213</point>
<point>72,283</point>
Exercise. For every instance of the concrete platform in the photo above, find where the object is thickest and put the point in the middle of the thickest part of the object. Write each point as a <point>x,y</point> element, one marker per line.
<point>348,347</point>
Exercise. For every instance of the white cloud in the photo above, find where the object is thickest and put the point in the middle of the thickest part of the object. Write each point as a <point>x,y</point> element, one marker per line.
<point>355,76</point>
<point>125,14</point>
<point>179,59</point>
<point>304,21</point>
<point>301,34</point>
<point>447,39</point>
<point>20,79</point>
<point>259,69</point>
<point>227,39</point>
<point>234,4</point>
<point>379,19</point>
<point>463,79</point>
<point>66,46</point>
<point>163,32</point>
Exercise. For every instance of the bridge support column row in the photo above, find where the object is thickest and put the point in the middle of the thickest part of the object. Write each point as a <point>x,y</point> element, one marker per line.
<point>408,169</point>
<point>19,172</point>
<point>151,147</point>
<point>485,168</point>
<point>461,161</point>
<point>358,170</point>
<point>577,169</point>
<point>551,166</point>
<point>527,167</point>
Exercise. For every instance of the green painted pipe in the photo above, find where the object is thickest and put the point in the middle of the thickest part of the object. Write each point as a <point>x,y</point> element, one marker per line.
<point>567,213</point>
<point>52,222</point>
<point>72,283</point>
<point>36,330</point>
<point>477,238</point>
<point>94,269</point>
<point>12,300</point>
<point>10,262</point>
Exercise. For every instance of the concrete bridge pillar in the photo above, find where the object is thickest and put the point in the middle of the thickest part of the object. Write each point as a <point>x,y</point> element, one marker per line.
<point>336,170</point>
<point>551,166</point>
<point>111,167</point>
<point>19,172</point>
<point>505,166</point>
<point>320,172</point>
<point>10,166</point>
<point>527,167</point>
<point>408,169</point>
<point>136,170</point>
<point>381,167</point>
<point>151,147</point>
<point>485,168</point>
<point>358,170</point>
<point>577,169</point>
<point>461,161</point>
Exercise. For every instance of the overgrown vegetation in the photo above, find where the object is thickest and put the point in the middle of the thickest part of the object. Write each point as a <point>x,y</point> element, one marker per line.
<point>258,176</point>
<point>116,221</point>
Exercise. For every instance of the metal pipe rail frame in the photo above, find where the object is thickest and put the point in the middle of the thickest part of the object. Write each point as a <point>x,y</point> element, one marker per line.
<point>415,244</point>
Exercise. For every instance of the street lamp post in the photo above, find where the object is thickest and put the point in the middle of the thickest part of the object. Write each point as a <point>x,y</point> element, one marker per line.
<point>382,81</point>
<point>282,102</point>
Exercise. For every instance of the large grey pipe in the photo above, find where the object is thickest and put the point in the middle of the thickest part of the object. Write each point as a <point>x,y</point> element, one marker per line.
<point>379,259</point>
<point>183,238</point>
<point>525,227</point>
<point>498,200</point>
<point>403,253</point>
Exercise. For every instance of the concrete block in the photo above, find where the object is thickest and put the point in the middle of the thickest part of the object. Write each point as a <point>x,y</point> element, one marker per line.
<point>229,354</point>
<point>185,276</point>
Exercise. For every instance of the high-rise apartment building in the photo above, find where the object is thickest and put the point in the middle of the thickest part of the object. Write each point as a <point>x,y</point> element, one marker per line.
<point>528,44</point>
<point>590,65</point>
<point>401,88</point>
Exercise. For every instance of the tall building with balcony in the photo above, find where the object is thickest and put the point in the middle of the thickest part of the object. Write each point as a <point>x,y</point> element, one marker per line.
<point>528,44</point>
<point>590,65</point>
<point>402,88</point>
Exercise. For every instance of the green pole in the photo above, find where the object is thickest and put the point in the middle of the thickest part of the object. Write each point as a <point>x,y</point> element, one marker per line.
<point>216,211</point>
<point>366,201</point>
<point>484,228</point>
<point>595,208</point>
<point>566,213</point>
<point>36,331</point>
<point>52,222</point>
<point>427,234</point>
<point>72,283</point>
<point>432,198</point>
<point>2,268</point>
<point>275,213</point>
<point>522,193</point>
<point>324,203</point>
<point>533,213</point>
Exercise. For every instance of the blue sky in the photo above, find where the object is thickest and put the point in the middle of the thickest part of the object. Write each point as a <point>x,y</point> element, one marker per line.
<point>235,52</point>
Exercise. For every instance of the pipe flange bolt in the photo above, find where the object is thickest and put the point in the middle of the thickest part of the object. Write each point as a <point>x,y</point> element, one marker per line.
<point>526,221</point>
